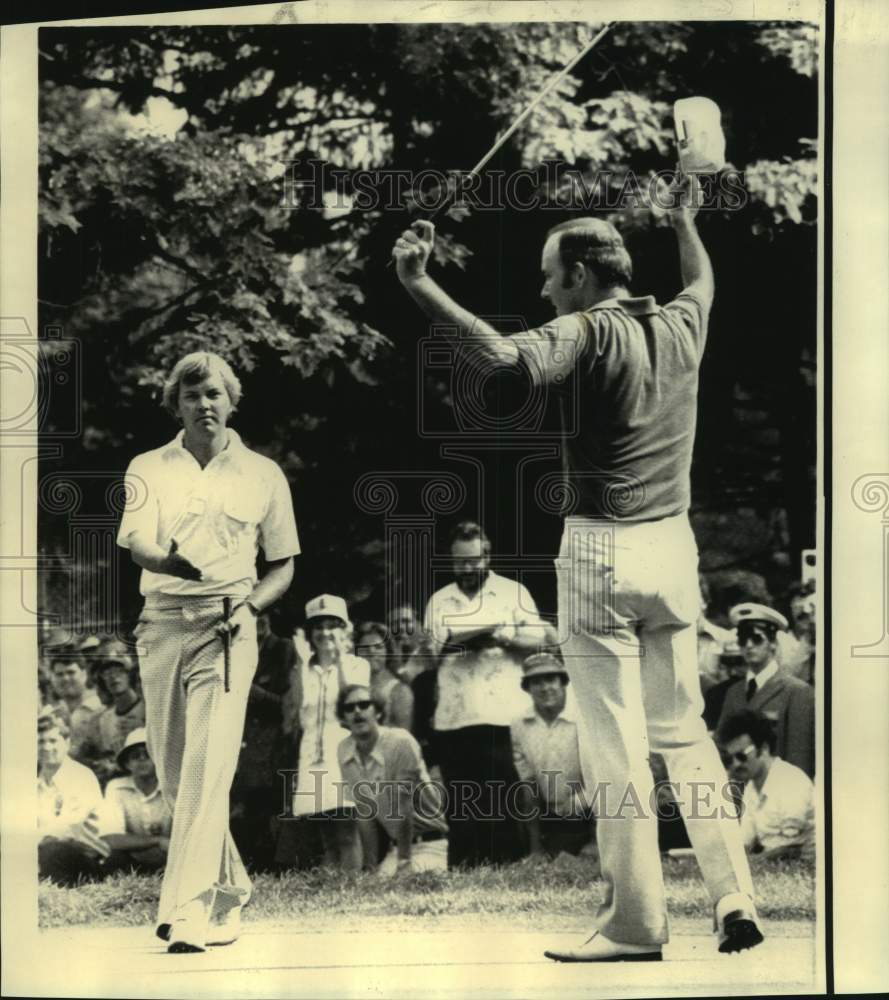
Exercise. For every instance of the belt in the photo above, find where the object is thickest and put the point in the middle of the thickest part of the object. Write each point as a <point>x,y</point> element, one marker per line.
<point>178,602</point>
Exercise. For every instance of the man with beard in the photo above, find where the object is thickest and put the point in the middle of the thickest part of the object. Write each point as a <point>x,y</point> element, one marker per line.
<point>483,625</point>
<point>627,569</point>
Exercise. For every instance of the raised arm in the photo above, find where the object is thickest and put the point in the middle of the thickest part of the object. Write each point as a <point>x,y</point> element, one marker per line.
<point>481,342</point>
<point>694,262</point>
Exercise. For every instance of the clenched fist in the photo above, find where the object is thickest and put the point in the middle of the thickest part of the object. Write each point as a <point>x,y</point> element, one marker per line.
<point>412,249</point>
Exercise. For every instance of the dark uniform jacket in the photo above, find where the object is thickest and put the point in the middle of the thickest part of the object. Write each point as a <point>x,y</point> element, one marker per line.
<point>790,705</point>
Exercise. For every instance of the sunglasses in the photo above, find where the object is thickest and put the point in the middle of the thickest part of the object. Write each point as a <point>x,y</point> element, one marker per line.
<point>356,706</point>
<point>757,638</point>
<point>741,756</point>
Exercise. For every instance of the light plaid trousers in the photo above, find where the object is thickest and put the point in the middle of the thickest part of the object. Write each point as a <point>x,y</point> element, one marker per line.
<point>194,730</point>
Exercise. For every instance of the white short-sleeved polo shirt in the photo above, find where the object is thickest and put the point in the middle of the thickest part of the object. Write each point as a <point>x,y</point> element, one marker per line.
<point>218,515</point>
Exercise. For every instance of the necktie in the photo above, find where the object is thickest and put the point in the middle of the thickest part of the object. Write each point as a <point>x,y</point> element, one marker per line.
<point>751,688</point>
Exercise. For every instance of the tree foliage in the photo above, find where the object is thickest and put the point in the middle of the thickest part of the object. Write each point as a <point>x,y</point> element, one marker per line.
<point>153,244</point>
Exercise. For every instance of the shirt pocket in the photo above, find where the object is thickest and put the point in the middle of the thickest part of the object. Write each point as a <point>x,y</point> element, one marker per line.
<point>182,526</point>
<point>241,515</point>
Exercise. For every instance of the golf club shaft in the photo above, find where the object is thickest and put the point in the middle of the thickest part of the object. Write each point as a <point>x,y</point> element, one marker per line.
<point>227,644</point>
<point>516,124</point>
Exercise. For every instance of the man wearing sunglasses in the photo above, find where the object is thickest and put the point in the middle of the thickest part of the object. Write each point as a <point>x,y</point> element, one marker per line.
<point>399,812</point>
<point>787,702</point>
<point>779,799</point>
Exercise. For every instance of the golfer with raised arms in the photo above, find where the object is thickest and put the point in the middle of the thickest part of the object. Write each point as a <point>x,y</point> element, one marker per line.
<point>627,567</point>
<point>198,509</point>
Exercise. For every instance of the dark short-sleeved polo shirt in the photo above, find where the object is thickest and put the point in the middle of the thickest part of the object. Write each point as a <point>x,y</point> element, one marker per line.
<point>627,371</point>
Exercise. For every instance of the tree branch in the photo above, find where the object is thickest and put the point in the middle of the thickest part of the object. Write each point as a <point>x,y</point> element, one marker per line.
<point>172,303</point>
<point>93,83</point>
<point>181,265</point>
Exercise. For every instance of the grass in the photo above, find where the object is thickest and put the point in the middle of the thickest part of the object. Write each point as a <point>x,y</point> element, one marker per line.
<point>567,886</point>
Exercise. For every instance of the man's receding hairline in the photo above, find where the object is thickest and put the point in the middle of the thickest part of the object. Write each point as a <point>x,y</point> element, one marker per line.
<point>606,232</point>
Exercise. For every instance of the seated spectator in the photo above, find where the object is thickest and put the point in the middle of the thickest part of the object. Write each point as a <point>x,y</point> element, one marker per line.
<point>399,811</point>
<point>546,751</point>
<point>256,791</point>
<point>68,678</point>
<point>69,807</point>
<point>136,821</point>
<point>372,643</point>
<point>778,806</point>
<point>787,702</point>
<point>732,667</point>
<point>116,673</point>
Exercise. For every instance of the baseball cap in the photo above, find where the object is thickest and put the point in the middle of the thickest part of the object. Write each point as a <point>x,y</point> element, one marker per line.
<point>327,606</point>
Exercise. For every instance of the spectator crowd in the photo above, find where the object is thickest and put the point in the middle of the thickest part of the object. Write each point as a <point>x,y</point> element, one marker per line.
<point>416,744</point>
